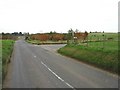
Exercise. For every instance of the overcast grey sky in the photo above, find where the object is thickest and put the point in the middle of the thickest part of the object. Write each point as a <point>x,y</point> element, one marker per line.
<point>36,16</point>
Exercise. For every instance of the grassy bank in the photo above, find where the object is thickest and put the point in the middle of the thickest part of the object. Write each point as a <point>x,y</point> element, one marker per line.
<point>7,48</point>
<point>105,57</point>
<point>38,42</point>
<point>0,64</point>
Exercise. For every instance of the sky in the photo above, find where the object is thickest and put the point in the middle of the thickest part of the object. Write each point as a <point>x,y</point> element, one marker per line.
<point>41,16</point>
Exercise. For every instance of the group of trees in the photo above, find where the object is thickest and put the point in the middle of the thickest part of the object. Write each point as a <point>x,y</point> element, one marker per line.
<point>71,35</point>
<point>76,36</point>
<point>46,36</point>
<point>12,36</point>
<point>54,36</point>
<point>15,33</point>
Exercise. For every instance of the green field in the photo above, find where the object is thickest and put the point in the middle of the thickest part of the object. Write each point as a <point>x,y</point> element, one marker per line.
<point>7,48</point>
<point>102,53</point>
<point>96,36</point>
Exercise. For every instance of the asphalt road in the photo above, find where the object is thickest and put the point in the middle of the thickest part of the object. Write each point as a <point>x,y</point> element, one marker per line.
<point>40,66</point>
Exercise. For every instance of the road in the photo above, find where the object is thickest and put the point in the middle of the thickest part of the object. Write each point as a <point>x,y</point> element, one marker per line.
<point>40,66</point>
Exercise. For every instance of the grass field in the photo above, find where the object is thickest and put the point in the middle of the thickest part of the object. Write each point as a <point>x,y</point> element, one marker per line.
<point>96,36</point>
<point>7,47</point>
<point>103,54</point>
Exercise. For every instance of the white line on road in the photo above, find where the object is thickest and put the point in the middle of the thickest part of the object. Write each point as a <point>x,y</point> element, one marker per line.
<point>34,56</point>
<point>58,76</point>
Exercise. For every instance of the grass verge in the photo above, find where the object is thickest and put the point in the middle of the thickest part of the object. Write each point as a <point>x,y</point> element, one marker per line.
<point>0,64</point>
<point>7,48</point>
<point>103,58</point>
<point>38,42</point>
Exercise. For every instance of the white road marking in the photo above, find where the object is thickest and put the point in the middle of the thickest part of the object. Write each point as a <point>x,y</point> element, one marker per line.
<point>58,76</point>
<point>34,56</point>
<point>36,45</point>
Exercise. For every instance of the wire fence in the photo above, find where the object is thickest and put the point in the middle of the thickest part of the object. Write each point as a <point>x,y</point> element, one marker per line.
<point>103,41</point>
